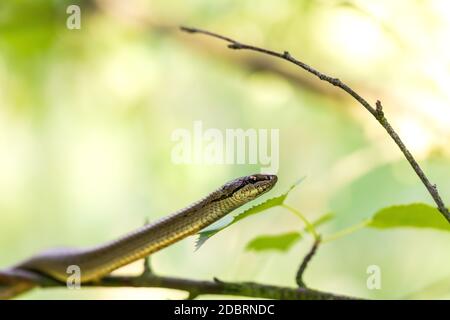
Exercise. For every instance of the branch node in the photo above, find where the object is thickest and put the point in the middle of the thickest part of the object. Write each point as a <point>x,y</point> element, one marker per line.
<point>235,46</point>
<point>335,81</point>
<point>192,295</point>
<point>147,268</point>
<point>147,263</point>
<point>217,280</point>
<point>379,110</point>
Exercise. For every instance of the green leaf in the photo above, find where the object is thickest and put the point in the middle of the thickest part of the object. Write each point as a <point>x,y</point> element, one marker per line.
<point>284,241</point>
<point>226,222</point>
<point>417,215</point>
<point>325,218</point>
<point>280,242</point>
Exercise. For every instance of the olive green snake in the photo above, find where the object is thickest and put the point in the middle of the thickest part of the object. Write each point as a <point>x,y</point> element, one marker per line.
<point>96,262</point>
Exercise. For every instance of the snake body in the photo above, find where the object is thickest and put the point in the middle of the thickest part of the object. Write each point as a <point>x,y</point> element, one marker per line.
<point>99,261</point>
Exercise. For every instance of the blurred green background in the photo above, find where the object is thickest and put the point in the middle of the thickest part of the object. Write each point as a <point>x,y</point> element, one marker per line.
<point>86,118</point>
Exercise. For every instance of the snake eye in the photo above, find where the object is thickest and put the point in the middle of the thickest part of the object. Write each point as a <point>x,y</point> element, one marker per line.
<point>253,178</point>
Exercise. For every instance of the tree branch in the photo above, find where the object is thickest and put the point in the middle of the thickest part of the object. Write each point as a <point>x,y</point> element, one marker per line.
<point>376,112</point>
<point>216,287</point>
<point>15,282</point>
<point>304,264</point>
<point>11,286</point>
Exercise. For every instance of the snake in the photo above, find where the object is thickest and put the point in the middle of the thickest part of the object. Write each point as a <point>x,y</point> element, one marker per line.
<point>98,261</point>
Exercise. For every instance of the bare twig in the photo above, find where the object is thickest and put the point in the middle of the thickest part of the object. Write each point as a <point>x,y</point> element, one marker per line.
<point>147,267</point>
<point>304,264</point>
<point>377,112</point>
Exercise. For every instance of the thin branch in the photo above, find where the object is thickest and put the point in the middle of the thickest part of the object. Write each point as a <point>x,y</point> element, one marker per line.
<point>376,112</point>
<point>216,287</point>
<point>16,285</point>
<point>147,262</point>
<point>147,267</point>
<point>304,264</point>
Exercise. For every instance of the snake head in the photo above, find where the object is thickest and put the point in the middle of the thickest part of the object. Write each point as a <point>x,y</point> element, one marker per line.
<point>247,188</point>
